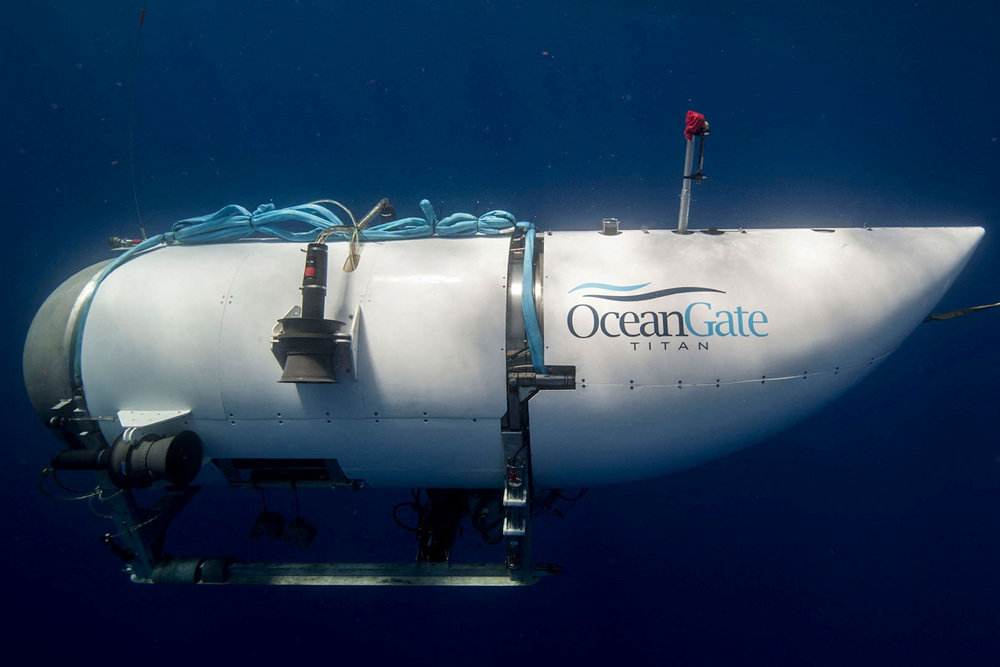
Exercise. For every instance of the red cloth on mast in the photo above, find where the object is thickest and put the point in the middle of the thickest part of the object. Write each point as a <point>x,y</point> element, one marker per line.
<point>693,124</point>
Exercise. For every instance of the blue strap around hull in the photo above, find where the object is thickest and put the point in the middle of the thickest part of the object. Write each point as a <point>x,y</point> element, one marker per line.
<point>532,331</point>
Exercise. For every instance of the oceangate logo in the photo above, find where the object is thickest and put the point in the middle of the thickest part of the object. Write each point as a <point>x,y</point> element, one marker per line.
<point>698,318</point>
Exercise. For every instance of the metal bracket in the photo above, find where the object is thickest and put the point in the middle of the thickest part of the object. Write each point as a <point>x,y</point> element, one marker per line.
<point>144,418</point>
<point>141,533</point>
<point>284,473</point>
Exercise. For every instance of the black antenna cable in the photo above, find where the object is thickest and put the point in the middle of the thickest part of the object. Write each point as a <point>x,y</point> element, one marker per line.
<point>131,122</point>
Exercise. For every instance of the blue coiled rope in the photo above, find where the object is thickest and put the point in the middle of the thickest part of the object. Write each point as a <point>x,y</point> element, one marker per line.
<point>234,222</point>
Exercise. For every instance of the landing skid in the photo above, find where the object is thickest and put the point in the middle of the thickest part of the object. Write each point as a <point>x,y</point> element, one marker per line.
<point>220,571</point>
<point>141,540</point>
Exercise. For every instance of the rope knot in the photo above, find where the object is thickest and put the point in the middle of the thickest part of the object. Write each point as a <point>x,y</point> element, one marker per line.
<point>260,210</point>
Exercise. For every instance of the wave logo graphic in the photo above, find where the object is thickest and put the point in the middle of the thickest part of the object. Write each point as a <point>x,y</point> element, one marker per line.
<point>645,296</point>
<point>699,319</point>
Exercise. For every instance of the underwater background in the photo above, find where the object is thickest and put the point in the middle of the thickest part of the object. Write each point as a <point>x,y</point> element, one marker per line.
<point>867,534</point>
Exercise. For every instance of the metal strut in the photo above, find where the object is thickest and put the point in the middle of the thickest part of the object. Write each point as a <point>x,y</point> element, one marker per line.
<point>514,432</point>
<point>523,382</point>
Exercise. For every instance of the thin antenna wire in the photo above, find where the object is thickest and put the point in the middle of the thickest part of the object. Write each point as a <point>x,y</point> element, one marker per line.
<point>131,122</point>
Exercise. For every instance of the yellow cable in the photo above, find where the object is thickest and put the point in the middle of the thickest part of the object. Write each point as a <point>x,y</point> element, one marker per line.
<point>952,314</point>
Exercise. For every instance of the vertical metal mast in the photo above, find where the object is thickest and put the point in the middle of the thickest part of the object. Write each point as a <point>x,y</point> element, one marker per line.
<point>695,125</point>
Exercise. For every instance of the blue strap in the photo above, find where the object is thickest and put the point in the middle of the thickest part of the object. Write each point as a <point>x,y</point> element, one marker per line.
<point>533,332</point>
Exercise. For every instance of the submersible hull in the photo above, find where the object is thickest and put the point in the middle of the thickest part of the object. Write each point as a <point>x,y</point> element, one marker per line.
<point>660,350</point>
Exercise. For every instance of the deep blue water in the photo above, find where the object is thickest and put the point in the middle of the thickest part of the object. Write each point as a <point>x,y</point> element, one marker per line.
<point>867,534</point>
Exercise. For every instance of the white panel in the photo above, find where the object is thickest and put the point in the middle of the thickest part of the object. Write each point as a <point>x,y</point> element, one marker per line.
<point>152,335</point>
<point>448,453</point>
<point>607,433</point>
<point>829,298</point>
<point>262,291</point>
<point>432,329</point>
<point>835,303</point>
<point>189,328</point>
